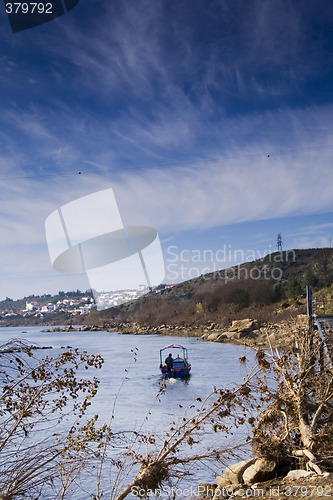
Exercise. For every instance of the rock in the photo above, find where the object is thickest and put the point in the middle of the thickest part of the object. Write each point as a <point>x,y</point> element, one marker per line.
<point>246,333</point>
<point>223,492</point>
<point>221,481</point>
<point>230,335</point>
<point>233,473</point>
<point>213,336</point>
<point>206,490</point>
<point>261,470</point>
<point>328,475</point>
<point>243,325</point>
<point>298,474</point>
<point>95,328</point>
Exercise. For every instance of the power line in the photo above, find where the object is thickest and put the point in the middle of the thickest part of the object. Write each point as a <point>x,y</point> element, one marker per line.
<point>164,165</point>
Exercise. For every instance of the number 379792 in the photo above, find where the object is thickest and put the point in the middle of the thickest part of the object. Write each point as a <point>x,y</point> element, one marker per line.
<point>28,8</point>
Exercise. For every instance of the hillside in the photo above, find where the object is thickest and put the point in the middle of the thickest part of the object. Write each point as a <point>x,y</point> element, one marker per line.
<point>268,289</point>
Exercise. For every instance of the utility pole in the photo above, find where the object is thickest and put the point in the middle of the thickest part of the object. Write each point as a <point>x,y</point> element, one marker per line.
<point>279,242</point>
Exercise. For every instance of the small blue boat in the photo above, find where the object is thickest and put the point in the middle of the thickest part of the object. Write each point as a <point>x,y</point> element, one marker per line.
<point>176,367</point>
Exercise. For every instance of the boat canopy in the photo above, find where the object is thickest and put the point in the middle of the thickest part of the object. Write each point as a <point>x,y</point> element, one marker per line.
<point>174,346</point>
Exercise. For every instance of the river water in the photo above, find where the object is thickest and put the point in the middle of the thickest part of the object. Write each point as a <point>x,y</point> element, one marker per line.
<point>212,364</point>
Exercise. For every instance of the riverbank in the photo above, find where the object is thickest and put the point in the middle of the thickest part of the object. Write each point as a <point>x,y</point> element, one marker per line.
<point>245,332</point>
<point>241,332</point>
<point>307,487</point>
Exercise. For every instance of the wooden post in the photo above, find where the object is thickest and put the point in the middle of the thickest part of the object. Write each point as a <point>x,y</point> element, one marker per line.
<point>309,305</point>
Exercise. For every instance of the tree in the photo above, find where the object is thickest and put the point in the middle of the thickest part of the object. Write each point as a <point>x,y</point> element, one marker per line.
<point>323,265</point>
<point>294,289</point>
<point>287,399</point>
<point>36,395</point>
<point>166,458</point>
<point>309,278</point>
<point>297,418</point>
<point>278,292</point>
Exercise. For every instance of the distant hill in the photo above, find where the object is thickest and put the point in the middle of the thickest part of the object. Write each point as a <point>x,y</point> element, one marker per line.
<point>267,289</point>
<point>262,288</point>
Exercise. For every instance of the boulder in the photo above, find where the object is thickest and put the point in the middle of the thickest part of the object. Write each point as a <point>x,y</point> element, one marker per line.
<point>95,328</point>
<point>328,475</point>
<point>246,333</point>
<point>206,490</point>
<point>233,473</point>
<point>211,326</point>
<point>261,470</point>
<point>213,336</point>
<point>230,335</point>
<point>221,481</point>
<point>298,474</point>
<point>223,492</point>
<point>243,325</point>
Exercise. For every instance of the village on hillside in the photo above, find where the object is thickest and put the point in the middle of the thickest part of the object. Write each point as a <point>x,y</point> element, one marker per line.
<point>79,304</point>
<point>38,310</point>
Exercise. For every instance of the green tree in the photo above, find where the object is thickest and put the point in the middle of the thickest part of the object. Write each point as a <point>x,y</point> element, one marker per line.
<point>294,289</point>
<point>309,278</point>
<point>278,292</point>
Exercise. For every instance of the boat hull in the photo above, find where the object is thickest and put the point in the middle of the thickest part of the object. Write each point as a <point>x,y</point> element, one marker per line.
<point>178,367</point>
<point>177,372</point>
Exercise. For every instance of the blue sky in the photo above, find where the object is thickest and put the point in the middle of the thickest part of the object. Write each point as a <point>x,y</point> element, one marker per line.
<point>176,105</point>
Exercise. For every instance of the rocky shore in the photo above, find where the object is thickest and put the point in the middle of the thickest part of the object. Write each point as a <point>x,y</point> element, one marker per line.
<point>245,331</point>
<point>259,478</point>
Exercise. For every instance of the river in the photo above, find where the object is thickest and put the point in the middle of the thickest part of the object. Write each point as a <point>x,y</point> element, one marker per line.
<point>212,364</point>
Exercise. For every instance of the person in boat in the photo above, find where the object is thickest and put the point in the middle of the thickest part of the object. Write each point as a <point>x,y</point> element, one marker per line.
<point>169,362</point>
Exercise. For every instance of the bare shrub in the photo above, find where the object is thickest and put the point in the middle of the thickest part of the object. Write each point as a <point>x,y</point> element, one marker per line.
<point>297,414</point>
<point>36,394</point>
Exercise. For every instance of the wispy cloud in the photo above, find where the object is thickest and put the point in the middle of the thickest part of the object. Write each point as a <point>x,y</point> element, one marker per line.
<point>150,51</point>
<point>312,235</point>
<point>237,182</point>
<point>200,95</point>
<point>228,192</point>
